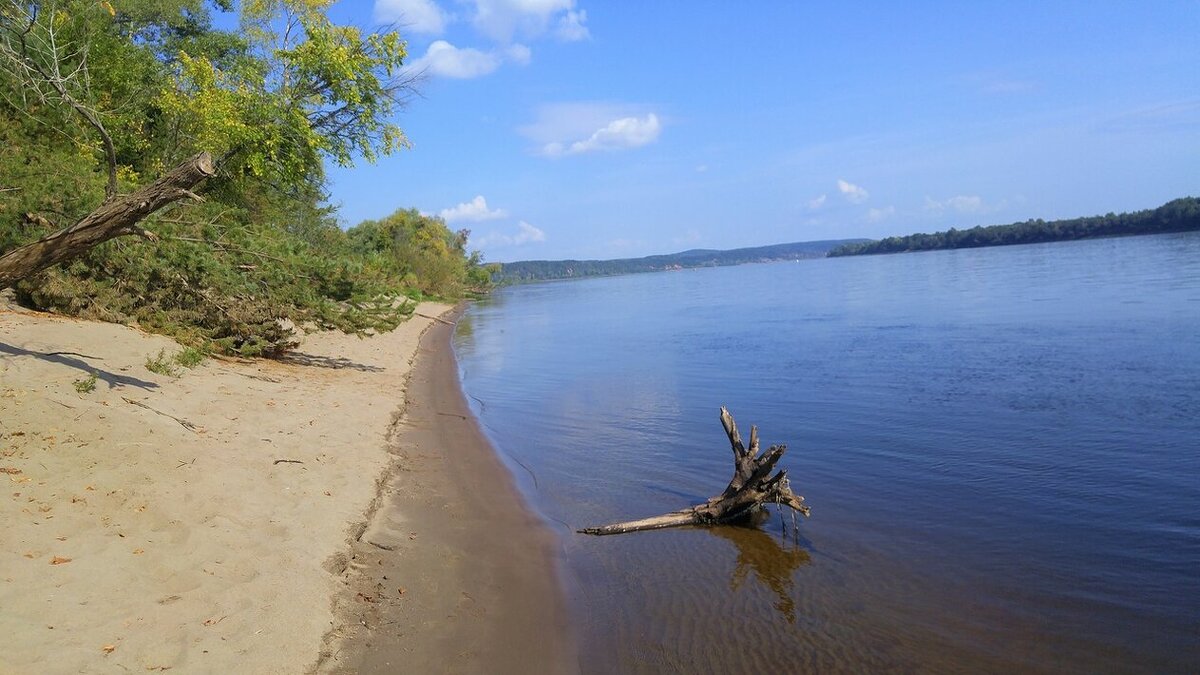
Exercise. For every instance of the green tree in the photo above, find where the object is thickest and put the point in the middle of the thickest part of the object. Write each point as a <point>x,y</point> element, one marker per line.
<point>272,105</point>
<point>98,100</point>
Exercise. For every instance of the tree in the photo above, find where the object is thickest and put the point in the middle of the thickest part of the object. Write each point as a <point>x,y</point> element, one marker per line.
<point>270,106</point>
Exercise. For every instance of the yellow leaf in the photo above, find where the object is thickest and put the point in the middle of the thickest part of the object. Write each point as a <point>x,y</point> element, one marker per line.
<point>111,11</point>
<point>108,649</point>
<point>58,560</point>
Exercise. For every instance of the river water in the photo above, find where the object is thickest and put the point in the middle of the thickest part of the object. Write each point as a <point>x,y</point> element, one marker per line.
<point>1001,449</point>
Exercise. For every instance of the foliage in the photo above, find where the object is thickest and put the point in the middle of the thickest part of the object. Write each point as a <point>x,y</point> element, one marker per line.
<point>539,270</point>
<point>161,364</point>
<point>86,385</point>
<point>190,357</point>
<point>97,97</point>
<point>1179,215</point>
<point>420,250</point>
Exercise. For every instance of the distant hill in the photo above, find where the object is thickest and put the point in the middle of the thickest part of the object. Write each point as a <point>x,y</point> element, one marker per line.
<point>1180,215</point>
<point>541,270</point>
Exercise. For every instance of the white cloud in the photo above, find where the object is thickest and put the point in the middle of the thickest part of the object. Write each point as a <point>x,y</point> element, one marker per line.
<point>571,28</point>
<point>958,204</point>
<point>692,236</point>
<point>876,215</point>
<point>619,134</point>
<point>473,211</point>
<point>816,202</point>
<point>853,193</point>
<point>525,234</point>
<point>701,168</point>
<point>418,16</point>
<point>446,60</point>
<point>502,20</point>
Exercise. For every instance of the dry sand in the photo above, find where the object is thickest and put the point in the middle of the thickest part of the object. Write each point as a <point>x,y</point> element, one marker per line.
<point>150,524</point>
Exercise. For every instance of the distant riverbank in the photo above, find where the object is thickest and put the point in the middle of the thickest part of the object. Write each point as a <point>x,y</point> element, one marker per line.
<point>1179,215</point>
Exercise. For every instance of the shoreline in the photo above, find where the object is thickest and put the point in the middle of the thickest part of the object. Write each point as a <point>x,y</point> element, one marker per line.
<point>454,572</point>
<point>191,522</point>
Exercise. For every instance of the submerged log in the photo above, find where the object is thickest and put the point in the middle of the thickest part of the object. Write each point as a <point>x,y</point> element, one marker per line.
<point>751,487</point>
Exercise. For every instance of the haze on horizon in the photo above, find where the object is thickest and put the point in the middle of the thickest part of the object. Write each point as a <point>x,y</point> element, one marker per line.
<point>571,129</point>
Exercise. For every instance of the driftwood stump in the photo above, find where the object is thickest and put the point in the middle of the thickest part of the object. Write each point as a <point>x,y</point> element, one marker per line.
<point>751,487</point>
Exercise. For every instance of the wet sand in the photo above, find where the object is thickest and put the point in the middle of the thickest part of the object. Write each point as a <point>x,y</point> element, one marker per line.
<point>453,573</point>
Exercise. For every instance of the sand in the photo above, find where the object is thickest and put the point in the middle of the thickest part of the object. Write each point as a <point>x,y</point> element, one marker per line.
<point>453,573</point>
<point>199,523</point>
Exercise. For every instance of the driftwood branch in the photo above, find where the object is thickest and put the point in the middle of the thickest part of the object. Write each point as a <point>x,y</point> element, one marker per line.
<point>115,218</point>
<point>751,487</point>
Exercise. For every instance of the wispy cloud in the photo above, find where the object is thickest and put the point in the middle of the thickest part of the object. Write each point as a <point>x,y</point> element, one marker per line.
<point>569,122</point>
<point>816,202</point>
<point>571,26</point>
<point>525,234</point>
<point>876,215</point>
<point>473,211</point>
<point>998,84</point>
<point>519,54</point>
<point>418,16</point>
<point>504,20</point>
<point>853,193</point>
<point>966,204</point>
<point>1169,117</point>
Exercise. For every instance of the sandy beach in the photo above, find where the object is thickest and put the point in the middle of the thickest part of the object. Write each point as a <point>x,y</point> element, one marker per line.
<point>210,522</point>
<point>453,574</point>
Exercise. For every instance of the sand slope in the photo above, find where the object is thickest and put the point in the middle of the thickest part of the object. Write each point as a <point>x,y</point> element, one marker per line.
<point>164,535</point>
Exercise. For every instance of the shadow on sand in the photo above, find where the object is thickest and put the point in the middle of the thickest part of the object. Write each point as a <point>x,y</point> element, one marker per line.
<point>75,360</point>
<point>336,363</point>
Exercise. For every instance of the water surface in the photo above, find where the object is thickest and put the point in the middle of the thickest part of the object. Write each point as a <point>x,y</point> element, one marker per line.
<point>1000,448</point>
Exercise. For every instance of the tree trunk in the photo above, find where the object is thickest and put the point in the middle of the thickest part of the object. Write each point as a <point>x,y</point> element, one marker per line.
<point>114,218</point>
<point>751,487</point>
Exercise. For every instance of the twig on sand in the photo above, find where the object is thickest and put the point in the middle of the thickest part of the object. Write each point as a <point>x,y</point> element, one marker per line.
<point>287,461</point>
<point>182,422</point>
<point>435,318</point>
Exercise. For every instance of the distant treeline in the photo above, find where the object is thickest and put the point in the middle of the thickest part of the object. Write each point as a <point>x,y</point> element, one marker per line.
<point>1180,215</point>
<point>540,270</point>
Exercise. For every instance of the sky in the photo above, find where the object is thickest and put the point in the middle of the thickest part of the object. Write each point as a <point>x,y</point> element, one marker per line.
<point>573,129</point>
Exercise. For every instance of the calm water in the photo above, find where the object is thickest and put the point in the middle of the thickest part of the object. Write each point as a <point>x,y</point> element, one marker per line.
<point>1001,448</point>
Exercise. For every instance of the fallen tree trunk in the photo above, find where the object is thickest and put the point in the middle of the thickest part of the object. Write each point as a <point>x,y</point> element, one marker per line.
<point>114,218</point>
<point>751,487</point>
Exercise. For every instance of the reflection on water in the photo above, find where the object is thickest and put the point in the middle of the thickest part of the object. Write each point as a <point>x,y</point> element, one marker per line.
<point>1006,397</point>
<point>774,562</point>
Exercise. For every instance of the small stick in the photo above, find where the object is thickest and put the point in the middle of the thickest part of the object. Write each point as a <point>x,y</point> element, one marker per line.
<point>435,318</point>
<point>184,423</point>
<point>287,461</point>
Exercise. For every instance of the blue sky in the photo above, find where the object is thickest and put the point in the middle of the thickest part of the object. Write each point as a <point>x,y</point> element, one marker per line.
<point>568,128</point>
